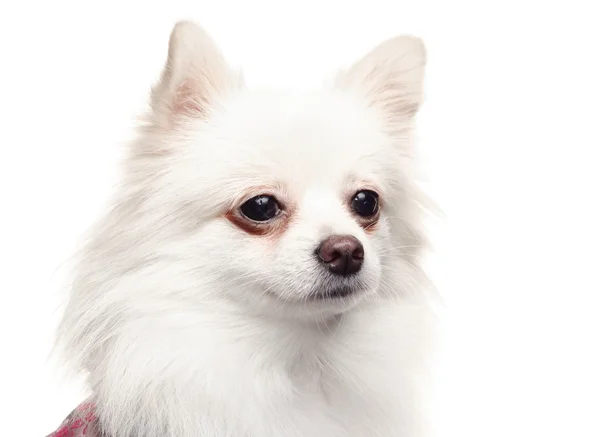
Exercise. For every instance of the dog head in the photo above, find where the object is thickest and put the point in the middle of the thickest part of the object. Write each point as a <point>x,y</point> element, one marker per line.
<point>299,203</point>
<point>277,198</point>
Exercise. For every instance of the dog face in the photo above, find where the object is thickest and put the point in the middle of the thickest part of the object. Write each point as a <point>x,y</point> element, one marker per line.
<point>302,204</point>
<point>296,199</point>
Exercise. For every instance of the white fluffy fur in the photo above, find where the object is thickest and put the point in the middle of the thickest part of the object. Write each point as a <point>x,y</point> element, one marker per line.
<point>189,327</point>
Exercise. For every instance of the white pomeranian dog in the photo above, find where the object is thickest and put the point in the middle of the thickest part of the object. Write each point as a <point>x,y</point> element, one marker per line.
<point>259,273</point>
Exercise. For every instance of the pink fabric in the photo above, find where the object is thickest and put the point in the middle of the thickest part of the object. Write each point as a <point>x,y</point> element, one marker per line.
<point>81,422</point>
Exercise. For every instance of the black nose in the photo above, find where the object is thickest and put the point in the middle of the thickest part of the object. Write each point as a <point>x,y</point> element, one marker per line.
<point>343,254</point>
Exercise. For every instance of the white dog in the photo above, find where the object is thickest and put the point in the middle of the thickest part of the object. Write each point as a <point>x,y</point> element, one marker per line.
<point>259,273</point>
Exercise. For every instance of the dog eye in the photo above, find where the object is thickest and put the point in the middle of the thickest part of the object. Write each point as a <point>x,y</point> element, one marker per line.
<point>260,208</point>
<point>366,203</point>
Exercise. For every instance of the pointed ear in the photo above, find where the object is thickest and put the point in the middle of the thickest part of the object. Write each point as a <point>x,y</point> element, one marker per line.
<point>194,76</point>
<point>390,77</point>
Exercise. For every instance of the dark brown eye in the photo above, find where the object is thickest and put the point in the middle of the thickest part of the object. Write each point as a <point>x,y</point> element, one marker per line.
<point>260,208</point>
<point>366,203</point>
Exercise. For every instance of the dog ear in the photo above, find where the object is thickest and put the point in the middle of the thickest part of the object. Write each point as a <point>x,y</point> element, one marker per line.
<point>390,77</point>
<point>194,76</point>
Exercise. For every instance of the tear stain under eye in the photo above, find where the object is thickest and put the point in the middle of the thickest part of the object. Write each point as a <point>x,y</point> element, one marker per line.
<point>371,228</point>
<point>274,229</point>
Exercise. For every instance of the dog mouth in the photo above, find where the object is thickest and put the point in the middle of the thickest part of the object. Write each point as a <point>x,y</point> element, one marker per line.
<point>335,293</point>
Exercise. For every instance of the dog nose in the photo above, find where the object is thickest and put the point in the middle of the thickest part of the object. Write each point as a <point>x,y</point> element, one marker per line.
<point>343,254</point>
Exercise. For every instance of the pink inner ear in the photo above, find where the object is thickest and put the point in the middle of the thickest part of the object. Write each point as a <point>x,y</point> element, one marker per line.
<point>189,99</point>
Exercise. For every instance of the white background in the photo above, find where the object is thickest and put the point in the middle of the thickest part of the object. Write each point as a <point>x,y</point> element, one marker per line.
<point>509,136</point>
